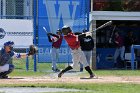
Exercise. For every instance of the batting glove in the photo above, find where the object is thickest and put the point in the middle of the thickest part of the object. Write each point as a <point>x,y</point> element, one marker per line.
<point>88,34</point>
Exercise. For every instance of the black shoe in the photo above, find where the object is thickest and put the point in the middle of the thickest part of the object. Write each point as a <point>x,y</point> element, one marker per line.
<point>60,74</point>
<point>3,77</point>
<point>92,76</point>
<point>52,69</point>
<point>57,70</point>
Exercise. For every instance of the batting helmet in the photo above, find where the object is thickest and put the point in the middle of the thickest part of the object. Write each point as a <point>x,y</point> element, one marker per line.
<point>66,30</point>
<point>58,30</point>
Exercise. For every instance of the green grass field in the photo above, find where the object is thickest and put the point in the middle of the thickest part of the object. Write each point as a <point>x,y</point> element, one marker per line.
<point>45,68</point>
<point>90,88</point>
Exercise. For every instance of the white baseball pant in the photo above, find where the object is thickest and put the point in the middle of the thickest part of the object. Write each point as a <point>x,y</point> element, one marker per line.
<point>78,56</point>
<point>4,68</point>
<point>54,56</point>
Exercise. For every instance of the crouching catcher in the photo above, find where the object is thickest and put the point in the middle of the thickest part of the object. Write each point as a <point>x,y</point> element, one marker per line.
<point>6,57</point>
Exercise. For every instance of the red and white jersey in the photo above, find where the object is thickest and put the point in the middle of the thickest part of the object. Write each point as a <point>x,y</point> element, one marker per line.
<point>72,40</point>
<point>57,41</point>
<point>54,39</point>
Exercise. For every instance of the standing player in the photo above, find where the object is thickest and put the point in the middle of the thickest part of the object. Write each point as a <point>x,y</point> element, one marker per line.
<point>87,45</point>
<point>6,56</point>
<point>120,49</point>
<point>77,54</point>
<point>130,39</point>
<point>56,43</point>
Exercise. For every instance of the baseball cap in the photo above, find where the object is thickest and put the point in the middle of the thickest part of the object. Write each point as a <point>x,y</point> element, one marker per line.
<point>84,30</point>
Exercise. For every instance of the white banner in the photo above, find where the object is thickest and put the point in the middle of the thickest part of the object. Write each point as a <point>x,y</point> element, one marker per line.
<point>19,31</point>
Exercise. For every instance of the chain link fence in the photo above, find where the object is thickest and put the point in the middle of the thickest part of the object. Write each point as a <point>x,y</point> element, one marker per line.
<point>16,23</point>
<point>16,9</point>
<point>20,23</point>
<point>54,14</point>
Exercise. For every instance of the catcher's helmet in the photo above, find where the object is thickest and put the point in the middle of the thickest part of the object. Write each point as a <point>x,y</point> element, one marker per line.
<point>10,44</point>
<point>66,30</point>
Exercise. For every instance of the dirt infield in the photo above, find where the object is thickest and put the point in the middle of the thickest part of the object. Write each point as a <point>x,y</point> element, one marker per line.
<point>71,79</point>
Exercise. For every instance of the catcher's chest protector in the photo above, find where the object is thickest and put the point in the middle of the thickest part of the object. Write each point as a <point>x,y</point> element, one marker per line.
<point>5,58</point>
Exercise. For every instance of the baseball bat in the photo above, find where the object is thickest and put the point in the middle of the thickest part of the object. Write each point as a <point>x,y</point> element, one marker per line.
<point>104,25</point>
<point>100,27</point>
<point>45,29</point>
<point>110,39</point>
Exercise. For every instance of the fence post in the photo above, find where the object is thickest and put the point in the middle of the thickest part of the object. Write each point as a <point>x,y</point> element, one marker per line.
<point>88,11</point>
<point>35,65</point>
<point>35,30</point>
<point>27,61</point>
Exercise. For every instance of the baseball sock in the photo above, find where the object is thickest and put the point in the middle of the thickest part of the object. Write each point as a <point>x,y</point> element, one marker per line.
<point>88,70</point>
<point>67,69</point>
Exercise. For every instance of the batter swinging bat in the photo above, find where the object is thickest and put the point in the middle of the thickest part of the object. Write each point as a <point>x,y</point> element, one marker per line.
<point>104,25</point>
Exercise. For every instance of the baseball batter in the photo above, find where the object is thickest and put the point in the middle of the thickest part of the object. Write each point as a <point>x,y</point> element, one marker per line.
<point>77,54</point>
<point>56,43</point>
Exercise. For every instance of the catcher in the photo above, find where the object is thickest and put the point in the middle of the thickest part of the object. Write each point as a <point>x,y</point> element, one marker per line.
<point>6,56</point>
<point>77,54</point>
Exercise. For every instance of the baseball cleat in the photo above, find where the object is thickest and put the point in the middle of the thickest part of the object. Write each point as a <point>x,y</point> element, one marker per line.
<point>60,74</point>
<point>3,77</point>
<point>57,70</point>
<point>92,76</point>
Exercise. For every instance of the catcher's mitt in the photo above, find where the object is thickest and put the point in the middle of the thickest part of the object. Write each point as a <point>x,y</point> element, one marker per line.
<point>32,50</point>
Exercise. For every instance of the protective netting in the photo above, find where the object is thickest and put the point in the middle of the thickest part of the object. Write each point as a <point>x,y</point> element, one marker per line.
<point>16,24</point>
<point>16,9</point>
<point>54,14</point>
<point>22,22</point>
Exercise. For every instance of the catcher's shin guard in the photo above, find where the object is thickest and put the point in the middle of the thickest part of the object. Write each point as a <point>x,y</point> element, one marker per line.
<point>89,71</point>
<point>4,74</point>
<point>65,70</point>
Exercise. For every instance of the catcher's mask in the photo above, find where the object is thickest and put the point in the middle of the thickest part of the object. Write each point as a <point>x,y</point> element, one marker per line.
<point>66,30</point>
<point>10,44</point>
